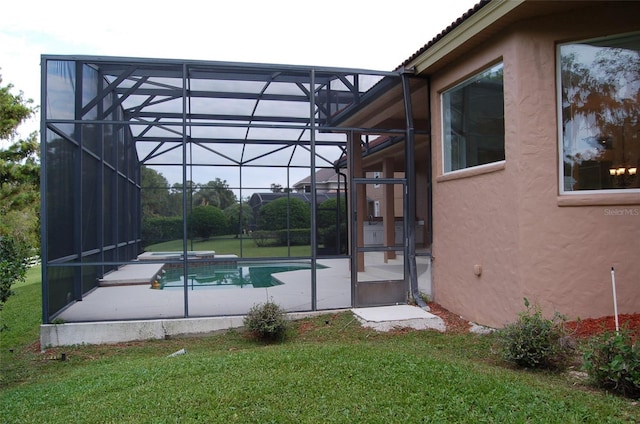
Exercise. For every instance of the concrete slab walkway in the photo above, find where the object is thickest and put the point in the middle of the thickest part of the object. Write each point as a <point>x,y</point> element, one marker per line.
<point>386,318</point>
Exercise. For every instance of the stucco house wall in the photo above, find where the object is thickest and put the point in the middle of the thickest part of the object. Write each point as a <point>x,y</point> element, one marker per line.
<point>507,219</point>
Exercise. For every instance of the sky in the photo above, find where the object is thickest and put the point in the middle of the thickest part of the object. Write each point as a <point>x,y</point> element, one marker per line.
<point>336,33</point>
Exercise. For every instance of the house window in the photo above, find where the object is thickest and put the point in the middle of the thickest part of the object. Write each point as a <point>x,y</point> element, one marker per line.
<point>599,109</point>
<point>376,208</point>
<point>376,174</point>
<point>473,121</point>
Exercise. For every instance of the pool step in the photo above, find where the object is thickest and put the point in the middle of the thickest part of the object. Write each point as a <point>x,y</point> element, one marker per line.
<point>132,274</point>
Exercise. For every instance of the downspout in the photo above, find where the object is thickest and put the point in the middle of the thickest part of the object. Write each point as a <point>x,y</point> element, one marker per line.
<point>410,171</point>
<point>429,170</point>
<point>346,197</point>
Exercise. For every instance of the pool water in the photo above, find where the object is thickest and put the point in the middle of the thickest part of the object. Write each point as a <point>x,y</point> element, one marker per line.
<point>245,275</point>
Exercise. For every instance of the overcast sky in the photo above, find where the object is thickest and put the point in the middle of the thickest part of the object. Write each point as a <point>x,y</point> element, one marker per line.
<point>337,33</point>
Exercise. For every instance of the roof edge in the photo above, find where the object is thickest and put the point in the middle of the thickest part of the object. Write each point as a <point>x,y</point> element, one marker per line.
<point>485,13</point>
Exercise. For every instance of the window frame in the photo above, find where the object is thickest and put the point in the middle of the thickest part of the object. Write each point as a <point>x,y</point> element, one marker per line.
<point>586,194</point>
<point>475,169</point>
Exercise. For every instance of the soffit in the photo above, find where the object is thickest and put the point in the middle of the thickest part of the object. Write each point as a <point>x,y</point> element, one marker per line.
<point>387,111</point>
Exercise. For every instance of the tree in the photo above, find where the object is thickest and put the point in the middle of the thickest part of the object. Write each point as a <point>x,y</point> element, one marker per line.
<point>273,215</point>
<point>13,267</point>
<point>215,193</point>
<point>328,213</point>
<point>206,221</point>
<point>155,193</point>
<point>238,216</point>
<point>19,163</point>
<point>19,190</point>
<point>331,224</point>
<point>176,196</point>
<point>277,188</point>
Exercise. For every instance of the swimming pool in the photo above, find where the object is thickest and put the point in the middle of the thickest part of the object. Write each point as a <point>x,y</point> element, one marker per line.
<point>226,276</point>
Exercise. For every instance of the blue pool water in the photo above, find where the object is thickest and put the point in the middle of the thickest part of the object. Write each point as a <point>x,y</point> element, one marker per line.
<point>242,275</point>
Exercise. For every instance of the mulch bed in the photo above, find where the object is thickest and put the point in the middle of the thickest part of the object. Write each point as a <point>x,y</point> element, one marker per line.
<point>583,328</point>
<point>589,327</point>
<point>455,323</point>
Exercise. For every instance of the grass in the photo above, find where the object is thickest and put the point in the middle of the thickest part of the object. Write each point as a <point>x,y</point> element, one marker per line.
<point>22,314</point>
<point>330,370</point>
<point>243,247</point>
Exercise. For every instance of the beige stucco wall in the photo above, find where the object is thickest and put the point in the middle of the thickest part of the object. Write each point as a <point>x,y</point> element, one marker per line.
<point>508,218</point>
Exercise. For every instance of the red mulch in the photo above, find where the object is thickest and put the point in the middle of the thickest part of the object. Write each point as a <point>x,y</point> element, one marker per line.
<point>583,328</point>
<point>589,327</point>
<point>455,323</point>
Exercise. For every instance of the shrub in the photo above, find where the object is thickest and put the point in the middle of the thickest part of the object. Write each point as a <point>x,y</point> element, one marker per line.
<point>206,221</point>
<point>156,229</point>
<point>329,214</point>
<point>273,215</point>
<point>328,237</point>
<point>297,237</point>
<point>612,361</point>
<point>238,216</point>
<point>534,341</point>
<point>294,237</point>
<point>265,238</point>
<point>13,266</point>
<point>267,321</point>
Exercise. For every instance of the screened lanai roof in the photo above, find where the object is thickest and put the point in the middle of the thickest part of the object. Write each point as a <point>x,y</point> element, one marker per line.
<point>231,114</point>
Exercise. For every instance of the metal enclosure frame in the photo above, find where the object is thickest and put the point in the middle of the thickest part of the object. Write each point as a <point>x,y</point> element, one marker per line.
<point>99,112</point>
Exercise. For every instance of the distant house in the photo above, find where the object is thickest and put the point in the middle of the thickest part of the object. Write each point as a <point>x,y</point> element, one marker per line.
<point>327,180</point>
<point>328,183</point>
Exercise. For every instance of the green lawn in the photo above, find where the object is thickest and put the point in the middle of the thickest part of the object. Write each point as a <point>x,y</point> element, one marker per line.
<point>330,370</point>
<point>226,245</point>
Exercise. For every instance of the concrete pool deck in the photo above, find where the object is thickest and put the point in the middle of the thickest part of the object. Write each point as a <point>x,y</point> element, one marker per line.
<point>137,302</point>
<point>115,313</point>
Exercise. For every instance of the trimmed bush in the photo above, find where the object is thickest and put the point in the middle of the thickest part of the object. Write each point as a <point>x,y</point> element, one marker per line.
<point>265,238</point>
<point>266,322</point>
<point>612,361</point>
<point>534,341</point>
<point>206,221</point>
<point>161,228</point>
<point>273,215</point>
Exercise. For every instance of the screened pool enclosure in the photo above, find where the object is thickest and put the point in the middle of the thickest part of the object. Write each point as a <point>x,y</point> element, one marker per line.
<point>147,171</point>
